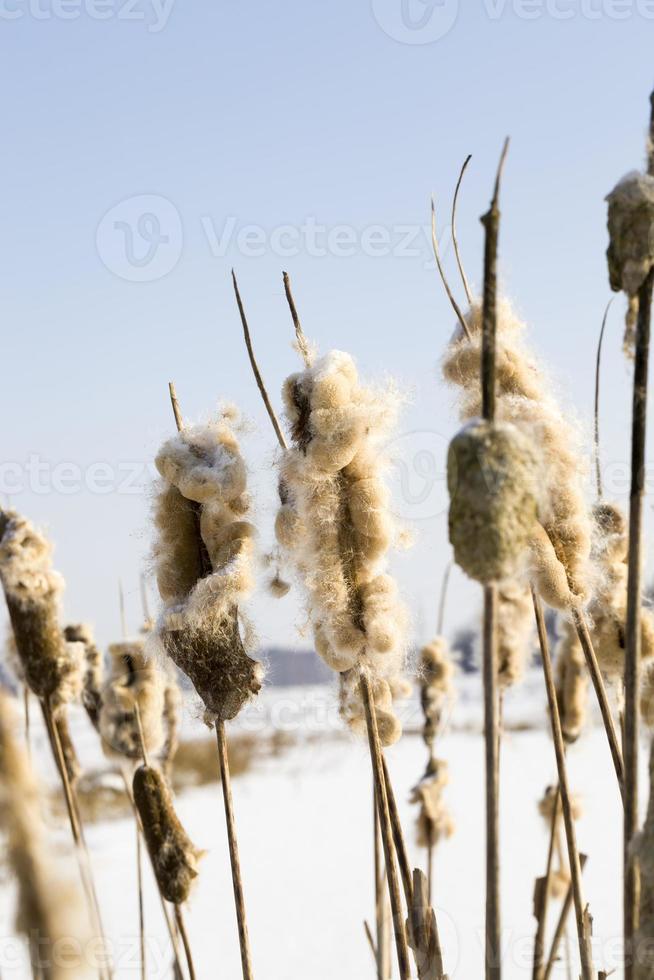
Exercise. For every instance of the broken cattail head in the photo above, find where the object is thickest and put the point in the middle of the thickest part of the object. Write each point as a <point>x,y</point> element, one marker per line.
<point>174,858</point>
<point>135,681</point>
<point>490,476</point>
<point>32,589</point>
<point>203,557</point>
<point>93,669</point>
<point>434,821</point>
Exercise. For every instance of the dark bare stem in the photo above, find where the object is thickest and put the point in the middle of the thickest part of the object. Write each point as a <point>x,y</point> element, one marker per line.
<point>26,712</point>
<point>255,367</point>
<point>491,223</point>
<point>381,924</point>
<point>596,440</point>
<point>632,628</point>
<point>385,828</point>
<point>583,634</point>
<point>181,926</point>
<point>439,265</point>
<point>179,422</point>
<point>543,893</point>
<point>302,343</point>
<point>443,597</point>
<point>237,881</point>
<point>561,924</point>
<point>564,789</point>
<point>141,903</point>
<point>464,278</point>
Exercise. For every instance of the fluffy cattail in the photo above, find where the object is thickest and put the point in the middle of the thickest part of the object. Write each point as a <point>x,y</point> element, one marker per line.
<point>608,608</point>
<point>490,478</point>
<point>174,858</point>
<point>524,399</point>
<point>643,846</point>
<point>631,241</point>
<point>435,672</point>
<point>32,589</point>
<point>135,681</point>
<point>559,876</point>
<point>571,683</point>
<point>203,560</point>
<point>352,710</point>
<point>434,820</point>
<point>171,722</point>
<point>49,909</point>
<point>335,524</point>
<point>647,695</point>
<point>515,626</point>
<point>93,669</point>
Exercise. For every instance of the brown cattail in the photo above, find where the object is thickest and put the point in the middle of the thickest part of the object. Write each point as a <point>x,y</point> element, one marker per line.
<point>608,607</point>
<point>174,858</point>
<point>571,683</point>
<point>135,681</point>
<point>524,399</point>
<point>32,589</point>
<point>352,712</point>
<point>49,908</point>
<point>93,669</point>
<point>491,480</point>
<point>203,557</point>
<point>559,876</point>
<point>631,241</point>
<point>515,626</point>
<point>335,524</point>
<point>643,848</point>
<point>435,672</point>
<point>434,821</point>
<point>172,722</point>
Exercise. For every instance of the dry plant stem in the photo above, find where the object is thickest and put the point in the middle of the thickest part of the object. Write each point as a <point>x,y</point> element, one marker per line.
<point>381,923</point>
<point>81,850</point>
<point>632,627</point>
<point>560,926</point>
<point>493,951</point>
<point>237,882</point>
<point>255,367</point>
<point>139,876</point>
<point>181,926</point>
<point>26,712</point>
<point>596,436</point>
<point>385,828</point>
<point>302,344</point>
<point>179,422</point>
<point>564,789</point>
<point>464,278</point>
<point>544,884</point>
<point>177,967</point>
<point>441,604</point>
<point>439,265</point>
<point>581,627</point>
<point>398,837</point>
<point>371,941</point>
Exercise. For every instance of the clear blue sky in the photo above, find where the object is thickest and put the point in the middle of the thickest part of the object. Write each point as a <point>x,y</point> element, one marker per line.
<point>211,117</point>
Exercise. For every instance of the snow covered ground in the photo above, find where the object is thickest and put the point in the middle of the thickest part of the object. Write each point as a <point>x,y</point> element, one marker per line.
<point>304,825</point>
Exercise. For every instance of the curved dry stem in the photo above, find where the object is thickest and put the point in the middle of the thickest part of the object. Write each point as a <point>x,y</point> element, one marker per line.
<point>596,436</point>
<point>455,242</point>
<point>302,342</point>
<point>439,265</point>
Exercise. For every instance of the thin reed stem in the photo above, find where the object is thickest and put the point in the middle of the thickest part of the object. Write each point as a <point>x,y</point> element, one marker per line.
<point>26,716</point>
<point>543,893</point>
<point>81,850</point>
<point>181,925</point>
<point>141,903</point>
<point>179,421</point>
<point>561,924</point>
<point>302,343</point>
<point>385,828</point>
<point>255,367</point>
<point>439,265</point>
<point>596,433</point>
<point>237,882</point>
<point>493,951</point>
<point>583,933</point>
<point>464,278</point>
<point>381,924</point>
<point>632,626</point>
<point>579,621</point>
<point>443,597</point>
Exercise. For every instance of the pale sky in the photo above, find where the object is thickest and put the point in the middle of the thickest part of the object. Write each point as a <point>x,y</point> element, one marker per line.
<point>150,147</point>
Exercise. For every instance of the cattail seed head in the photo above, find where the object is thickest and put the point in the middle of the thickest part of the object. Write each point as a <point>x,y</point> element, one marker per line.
<point>174,858</point>
<point>172,720</point>
<point>204,555</point>
<point>515,623</point>
<point>135,681</point>
<point>571,683</point>
<point>32,589</point>
<point>490,476</point>
<point>93,674</point>
<point>434,822</point>
<point>435,673</point>
<point>630,253</point>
